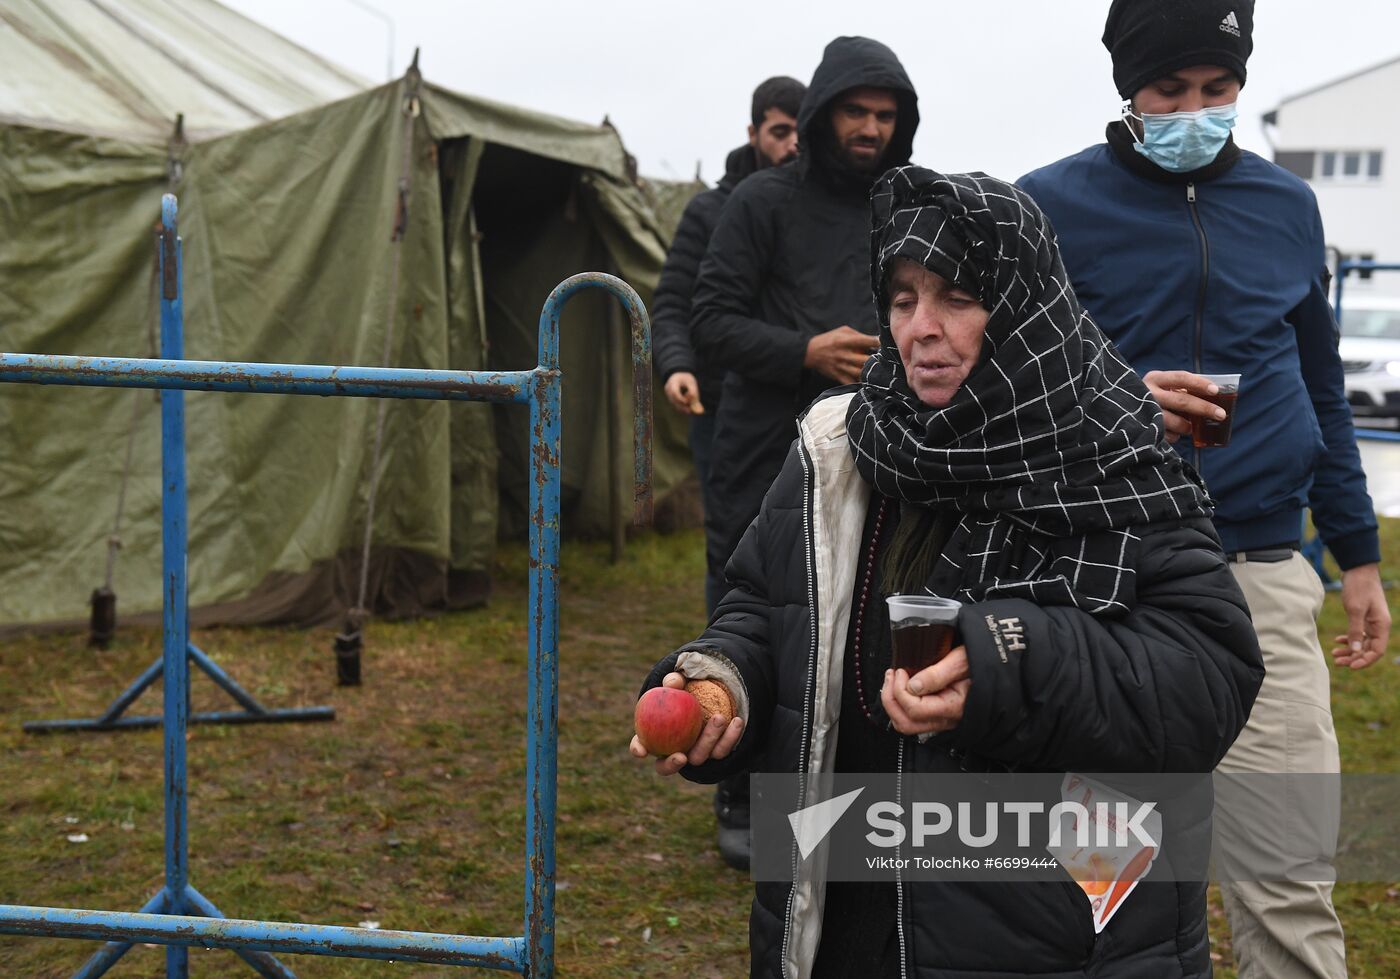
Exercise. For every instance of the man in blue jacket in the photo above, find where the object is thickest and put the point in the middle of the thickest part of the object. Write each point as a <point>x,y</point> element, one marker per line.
<point>1196,257</point>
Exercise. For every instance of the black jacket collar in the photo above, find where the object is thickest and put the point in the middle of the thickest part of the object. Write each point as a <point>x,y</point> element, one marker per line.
<point>740,163</point>
<point>1121,141</point>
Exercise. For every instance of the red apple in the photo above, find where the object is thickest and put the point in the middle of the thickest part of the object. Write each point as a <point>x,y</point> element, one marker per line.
<point>667,720</point>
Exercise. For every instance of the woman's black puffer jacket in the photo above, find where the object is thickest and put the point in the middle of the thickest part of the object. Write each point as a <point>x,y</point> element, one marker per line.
<point>1165,688</point>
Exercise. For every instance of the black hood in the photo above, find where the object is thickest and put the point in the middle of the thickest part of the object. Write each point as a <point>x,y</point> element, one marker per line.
<point>741,161</point>
<point>856,62</point>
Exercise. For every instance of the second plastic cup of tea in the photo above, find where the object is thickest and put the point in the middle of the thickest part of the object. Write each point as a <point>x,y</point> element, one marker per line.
<point>922,628</point>
<point>1210,433</point>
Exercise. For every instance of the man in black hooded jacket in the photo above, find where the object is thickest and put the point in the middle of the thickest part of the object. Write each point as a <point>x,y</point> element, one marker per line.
<point>692,385</point>
<point>783,300</point>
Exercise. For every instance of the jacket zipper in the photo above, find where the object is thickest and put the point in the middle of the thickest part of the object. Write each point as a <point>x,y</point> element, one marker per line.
<point>899,877</point>
<point>808,696</point>
<point>1201,292</point>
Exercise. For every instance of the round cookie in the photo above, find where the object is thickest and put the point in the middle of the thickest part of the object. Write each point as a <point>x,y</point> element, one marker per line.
<point>714,698</point>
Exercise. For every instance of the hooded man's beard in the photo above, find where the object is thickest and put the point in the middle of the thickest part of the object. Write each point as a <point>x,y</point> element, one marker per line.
<point>857,163</point>
<point>846,169</point>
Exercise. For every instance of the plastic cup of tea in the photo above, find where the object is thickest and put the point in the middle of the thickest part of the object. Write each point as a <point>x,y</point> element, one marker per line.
<point>922,628</point>
<point>1211,433</point>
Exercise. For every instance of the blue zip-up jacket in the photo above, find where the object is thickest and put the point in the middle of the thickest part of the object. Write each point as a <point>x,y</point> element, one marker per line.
<point>1222,270</point>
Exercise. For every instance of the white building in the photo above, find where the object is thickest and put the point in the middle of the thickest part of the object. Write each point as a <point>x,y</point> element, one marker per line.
<point>1343,138</point>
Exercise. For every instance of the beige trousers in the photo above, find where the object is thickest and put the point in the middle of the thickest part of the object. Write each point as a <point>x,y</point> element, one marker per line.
<point>1282,929</point>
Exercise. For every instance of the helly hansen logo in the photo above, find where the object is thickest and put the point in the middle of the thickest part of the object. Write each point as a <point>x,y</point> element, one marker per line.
<point>1008,634</point>
<point>1231,24</point>
<point>1013,633</point>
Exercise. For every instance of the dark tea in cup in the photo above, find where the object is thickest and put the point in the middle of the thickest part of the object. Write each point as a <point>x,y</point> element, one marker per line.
<point>919,643</point>
<point>1213,433</point>
<point>922,630</point>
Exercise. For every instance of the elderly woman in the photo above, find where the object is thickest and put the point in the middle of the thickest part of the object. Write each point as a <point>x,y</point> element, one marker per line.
<point>997,451</point>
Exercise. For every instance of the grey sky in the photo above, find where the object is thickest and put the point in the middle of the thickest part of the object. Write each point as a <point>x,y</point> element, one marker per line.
<point>1004,85</point>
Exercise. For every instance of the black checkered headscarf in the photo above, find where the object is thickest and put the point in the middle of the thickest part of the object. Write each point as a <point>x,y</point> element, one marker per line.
<point>1053,450</point>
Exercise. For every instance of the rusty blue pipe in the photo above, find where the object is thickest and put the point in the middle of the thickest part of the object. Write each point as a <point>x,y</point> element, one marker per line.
<point>641,371</point>
<point>501,387</point>
<point>190,931</point>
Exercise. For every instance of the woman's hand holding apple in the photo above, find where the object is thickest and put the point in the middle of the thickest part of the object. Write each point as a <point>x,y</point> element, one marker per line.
<point>665,720</point>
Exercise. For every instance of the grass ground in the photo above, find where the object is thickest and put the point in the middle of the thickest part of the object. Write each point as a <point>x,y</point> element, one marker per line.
<point>408,809</point>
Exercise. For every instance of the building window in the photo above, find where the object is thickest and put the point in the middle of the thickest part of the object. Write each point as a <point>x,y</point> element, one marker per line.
<point>1297,162</point>
<point>1348,166</point>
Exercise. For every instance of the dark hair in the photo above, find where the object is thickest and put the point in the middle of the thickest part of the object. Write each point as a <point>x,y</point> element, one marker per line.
<point>779,92</point>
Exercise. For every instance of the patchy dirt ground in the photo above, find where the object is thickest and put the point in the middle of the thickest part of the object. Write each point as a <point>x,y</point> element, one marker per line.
<point>408,809</point>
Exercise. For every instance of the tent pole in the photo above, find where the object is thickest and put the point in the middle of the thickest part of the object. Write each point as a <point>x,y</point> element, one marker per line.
<point>349,642</point>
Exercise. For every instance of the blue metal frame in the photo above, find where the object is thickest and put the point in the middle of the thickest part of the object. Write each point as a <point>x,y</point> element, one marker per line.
<point>1346,268</point>
<point>179,916</point>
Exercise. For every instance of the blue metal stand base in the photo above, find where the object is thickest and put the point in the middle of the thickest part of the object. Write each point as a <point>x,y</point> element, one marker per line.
<point>112,718</point>
<point>194,904</point>
<point>143,721</point>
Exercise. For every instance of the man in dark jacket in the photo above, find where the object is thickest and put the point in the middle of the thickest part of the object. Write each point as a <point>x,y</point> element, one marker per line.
<point>783,298</point>
<point>1196,257</point>
<point>692,385</point>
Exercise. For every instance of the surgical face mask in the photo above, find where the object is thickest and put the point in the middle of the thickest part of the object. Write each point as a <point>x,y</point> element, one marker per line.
<point>1183,141</point>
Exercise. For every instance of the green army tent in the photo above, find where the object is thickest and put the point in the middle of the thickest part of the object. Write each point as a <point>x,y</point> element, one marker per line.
<point>321,218</point>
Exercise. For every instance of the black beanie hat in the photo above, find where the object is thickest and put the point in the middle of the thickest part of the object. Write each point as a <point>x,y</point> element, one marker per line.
<point>1151,38</point>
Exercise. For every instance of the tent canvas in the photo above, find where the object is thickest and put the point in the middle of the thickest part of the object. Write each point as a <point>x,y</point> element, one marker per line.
<point>289,257</point>
<point>126,68</point>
